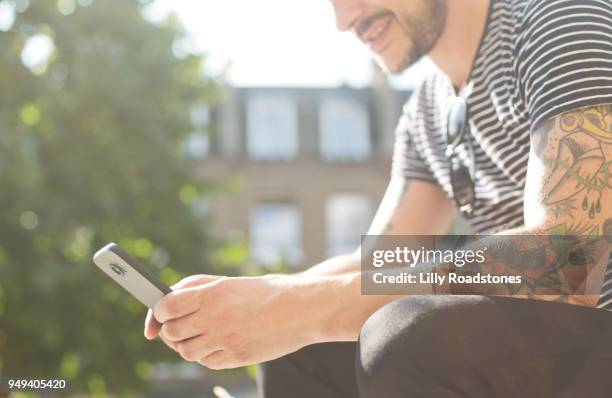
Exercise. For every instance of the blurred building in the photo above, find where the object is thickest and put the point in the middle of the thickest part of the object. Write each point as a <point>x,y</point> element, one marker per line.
<point>310,164</point>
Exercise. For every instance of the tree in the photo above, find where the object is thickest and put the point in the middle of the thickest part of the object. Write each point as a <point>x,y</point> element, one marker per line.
<point>92,151</point>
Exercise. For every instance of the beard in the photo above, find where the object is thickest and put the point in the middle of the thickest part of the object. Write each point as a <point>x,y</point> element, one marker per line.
<point>424,31</point>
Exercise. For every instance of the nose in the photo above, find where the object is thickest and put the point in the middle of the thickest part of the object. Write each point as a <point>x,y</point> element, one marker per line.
<point>348,12</point>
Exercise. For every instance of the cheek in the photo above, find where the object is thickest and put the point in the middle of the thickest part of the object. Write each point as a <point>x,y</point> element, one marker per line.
<point>395,56</point>
<point>397,33</point>
<point>399,42</point>
<point>346,11</point>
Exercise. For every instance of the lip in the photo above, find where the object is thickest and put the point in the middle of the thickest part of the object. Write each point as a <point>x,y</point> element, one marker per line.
<point>375,37</point>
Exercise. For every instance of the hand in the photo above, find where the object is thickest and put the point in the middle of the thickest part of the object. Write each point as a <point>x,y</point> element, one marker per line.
<point>152,326</point>
<point>231,322</point>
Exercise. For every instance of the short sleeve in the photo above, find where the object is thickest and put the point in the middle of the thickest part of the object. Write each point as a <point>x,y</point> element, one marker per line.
<point>407,163</point>
<point>564,56</point>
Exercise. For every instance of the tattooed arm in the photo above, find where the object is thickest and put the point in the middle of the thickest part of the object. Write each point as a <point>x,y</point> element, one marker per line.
<point>570,176</point>
<point>570,173</point>
<point>409,207</point>
<point>568,193</point>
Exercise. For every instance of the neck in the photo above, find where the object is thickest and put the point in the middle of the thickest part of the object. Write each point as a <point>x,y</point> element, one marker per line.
<point>457,47</point>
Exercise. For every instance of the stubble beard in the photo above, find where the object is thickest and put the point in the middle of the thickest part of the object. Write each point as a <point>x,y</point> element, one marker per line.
<point>424,32</point>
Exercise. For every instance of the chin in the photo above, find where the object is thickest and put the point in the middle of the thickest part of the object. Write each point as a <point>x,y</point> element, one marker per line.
<point>394,62</point>
<point>391,66</point>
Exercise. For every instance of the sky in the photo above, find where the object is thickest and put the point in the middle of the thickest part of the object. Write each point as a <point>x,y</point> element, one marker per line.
<point>274,42</point>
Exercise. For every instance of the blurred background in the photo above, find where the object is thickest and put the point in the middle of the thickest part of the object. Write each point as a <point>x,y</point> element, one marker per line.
<point>227,137</point>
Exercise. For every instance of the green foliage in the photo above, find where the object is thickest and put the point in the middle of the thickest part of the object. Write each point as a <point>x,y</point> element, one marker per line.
<point>91,151</point>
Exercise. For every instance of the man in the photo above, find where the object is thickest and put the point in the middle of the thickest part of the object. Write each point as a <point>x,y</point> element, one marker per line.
<point>535,79</point>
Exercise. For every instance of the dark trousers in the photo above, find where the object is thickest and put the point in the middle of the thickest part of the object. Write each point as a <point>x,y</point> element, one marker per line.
<point>456,346</point>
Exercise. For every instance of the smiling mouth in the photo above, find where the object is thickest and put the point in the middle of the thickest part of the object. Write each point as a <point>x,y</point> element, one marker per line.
<point>378,31</point>
<point>372,30</point>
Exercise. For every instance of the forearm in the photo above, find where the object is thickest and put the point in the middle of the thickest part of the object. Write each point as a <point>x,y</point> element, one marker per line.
<point>408,208</point>
<point>332,307</point>
<point>552,266</point>
<point>335,307</point>
<point>337,265</point>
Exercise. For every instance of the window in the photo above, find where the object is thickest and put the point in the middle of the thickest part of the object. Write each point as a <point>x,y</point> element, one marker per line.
<point>197,145</point>
<point>347,218</point>
<point>199,113</point>
<point>344,132</point>
<point>272,131</point>
<point>276,233</point>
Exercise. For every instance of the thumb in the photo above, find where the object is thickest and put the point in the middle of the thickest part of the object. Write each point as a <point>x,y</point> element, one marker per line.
<point>195,280</point>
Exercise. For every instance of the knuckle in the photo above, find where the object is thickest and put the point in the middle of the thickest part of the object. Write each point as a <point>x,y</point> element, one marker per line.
<point>158,313</point>
<point>170,307</point>
<point>171,331</point>
<point>208,364</point>
<point>169,343</point>
<point>187,351</point>
<point>220,287</point>
<point>187,281</point>
<point>163,310</point>
<point>199,294</point>
<point>214,361</point>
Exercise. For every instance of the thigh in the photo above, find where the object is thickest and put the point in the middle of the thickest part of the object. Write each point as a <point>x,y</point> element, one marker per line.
<point>472,346</point>
<point>319,370</point>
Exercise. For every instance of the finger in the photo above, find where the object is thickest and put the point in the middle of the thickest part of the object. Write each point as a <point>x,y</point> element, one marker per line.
<point>183,328</point>
<point>177,304</point>
<point>195,280</point>
<point>152,327</point>
<point>196,348</point>
<point>216,360</point>
<point>170,344</point>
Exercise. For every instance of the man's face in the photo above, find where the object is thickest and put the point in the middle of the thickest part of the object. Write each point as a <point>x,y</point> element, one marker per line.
<point>398,32</point>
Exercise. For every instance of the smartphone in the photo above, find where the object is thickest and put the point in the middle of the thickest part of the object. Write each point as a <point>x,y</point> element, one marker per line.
<point>130,274</point>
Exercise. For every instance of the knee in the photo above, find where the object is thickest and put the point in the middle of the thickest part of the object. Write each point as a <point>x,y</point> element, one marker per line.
<point>314,370</point>
<point>270,376</point>
<point>396,328</point>
<point>277,377</point>
<point>412,331</point>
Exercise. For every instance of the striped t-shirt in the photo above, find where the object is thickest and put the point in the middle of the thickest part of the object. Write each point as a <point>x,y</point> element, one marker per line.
<point>537,59</point>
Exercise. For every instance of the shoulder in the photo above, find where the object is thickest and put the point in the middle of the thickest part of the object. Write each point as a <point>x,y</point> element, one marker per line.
<point>537,9</point>
<point>544,16</point>
<point>563,56</point>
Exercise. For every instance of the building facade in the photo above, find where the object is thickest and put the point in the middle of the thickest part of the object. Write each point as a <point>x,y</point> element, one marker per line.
<point>309,166</point>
